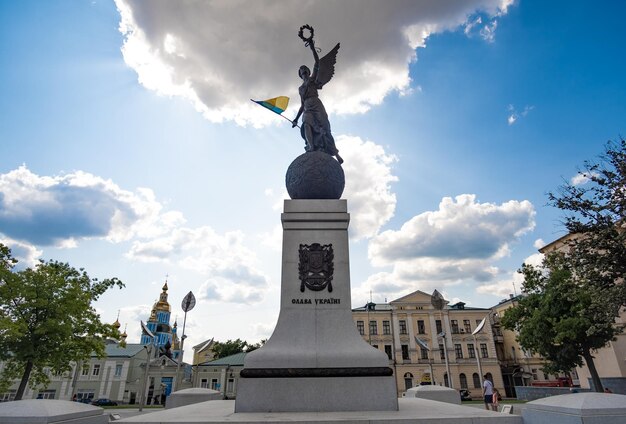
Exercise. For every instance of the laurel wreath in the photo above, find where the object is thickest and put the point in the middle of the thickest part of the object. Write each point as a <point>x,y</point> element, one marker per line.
<point>309,39</point>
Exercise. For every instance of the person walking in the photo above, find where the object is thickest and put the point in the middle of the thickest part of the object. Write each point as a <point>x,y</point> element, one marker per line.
<point>488,393</point>
<point>496,399</point>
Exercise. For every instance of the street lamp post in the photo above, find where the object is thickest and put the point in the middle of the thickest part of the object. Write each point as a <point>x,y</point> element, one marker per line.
<point>145,331</point>
<point>188,303</point>
<point>438,302</point>
<point>424,345</point>
<point>142,399</point>
<point>474,333</point>
<point>445,355</point>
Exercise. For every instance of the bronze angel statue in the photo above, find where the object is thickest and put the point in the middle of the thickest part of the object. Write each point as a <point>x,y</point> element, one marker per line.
<point>315,129</point>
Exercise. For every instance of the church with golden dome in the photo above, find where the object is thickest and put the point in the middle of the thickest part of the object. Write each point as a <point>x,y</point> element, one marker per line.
<point>165,340</point>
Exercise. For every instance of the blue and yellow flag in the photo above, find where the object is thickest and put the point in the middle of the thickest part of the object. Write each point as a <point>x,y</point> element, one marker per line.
<point>277,104</point>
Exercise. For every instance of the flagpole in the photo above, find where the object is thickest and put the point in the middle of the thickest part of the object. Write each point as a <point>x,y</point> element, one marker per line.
<point>282,116</point>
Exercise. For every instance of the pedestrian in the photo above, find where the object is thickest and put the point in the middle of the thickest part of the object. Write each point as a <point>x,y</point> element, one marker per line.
<point>488,393</point>
<point>496,399</point>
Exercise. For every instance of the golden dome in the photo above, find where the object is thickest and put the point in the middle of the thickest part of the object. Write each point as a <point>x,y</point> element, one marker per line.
<point>162,304</point>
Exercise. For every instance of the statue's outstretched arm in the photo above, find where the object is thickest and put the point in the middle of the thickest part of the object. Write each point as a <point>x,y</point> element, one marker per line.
<point>294,123</point>
<point>316,66</point>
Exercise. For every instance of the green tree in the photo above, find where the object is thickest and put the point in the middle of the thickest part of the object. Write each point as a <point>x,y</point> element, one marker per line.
<point>561,318</point>
<point>572,302</point>
<point>230,347</point>
<point>47,320</point>
<point>595,213</point>
<point>255,346</point>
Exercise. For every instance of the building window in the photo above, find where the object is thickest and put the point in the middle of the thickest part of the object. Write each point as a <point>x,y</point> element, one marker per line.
<point>463,381</point>
<point>375,346</point>
<point>402,326</point>
<point>7,396</point>
<point>478,321</point>
<point>85,394</point>
<point>405,352</point>
<point>361,327</point>
<point>467,326</point>
<point>388,351</point>
<point>46,394</point>
<point>408,381</point>
<point>373,328</point>
<point>438,325</point>
<point>421,328</point>
<point>214,384</point>
<point>458,351</point>
<point>204,383</point>
<point>85,370</point>
<point>455,326</point>
<point>424,353</point>
<point>441,351</point>
<point>470,350</point>
<point>483,350</point>
<point>445,380</point>
<point>386,328</point>
<point>96,370</point>
<point>118,370</point>
<point>476,379</point>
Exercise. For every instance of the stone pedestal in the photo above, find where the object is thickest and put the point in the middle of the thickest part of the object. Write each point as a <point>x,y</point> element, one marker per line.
<point>438,393</point>
<point>315,360</point>
<point>191,396</point>
<point>577,408</point>
<point>45,411</point>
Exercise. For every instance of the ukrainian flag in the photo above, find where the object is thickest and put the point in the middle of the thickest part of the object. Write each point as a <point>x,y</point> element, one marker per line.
<point>277,104</point>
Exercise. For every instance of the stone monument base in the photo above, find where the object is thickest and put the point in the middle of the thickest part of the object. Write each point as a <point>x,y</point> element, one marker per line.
<point>411,411</point>
<point>320,393</point>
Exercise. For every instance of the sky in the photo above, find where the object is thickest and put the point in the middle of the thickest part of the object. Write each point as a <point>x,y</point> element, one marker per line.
<point>129,146</point>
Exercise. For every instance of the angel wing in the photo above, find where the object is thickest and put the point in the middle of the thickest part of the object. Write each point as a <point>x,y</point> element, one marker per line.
<point>327,66</point>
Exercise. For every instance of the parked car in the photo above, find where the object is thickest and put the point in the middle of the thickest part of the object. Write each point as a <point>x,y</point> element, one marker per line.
<point>104,402</point>
<point>465,394</point>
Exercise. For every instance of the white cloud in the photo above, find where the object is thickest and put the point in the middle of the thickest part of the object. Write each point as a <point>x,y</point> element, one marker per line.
<point>231,265</point>
<point>514,115</point>
<point>513,283</point>
<point>219,54</point>
<point>368,185</point>
<point>63,210</point>
<point>488,32</point>
<point>26,254</point>
<point>129,320</point>
<point>458,244</point>
<point>539,243</point>
<point>59,210</point>
<point>582,178</point>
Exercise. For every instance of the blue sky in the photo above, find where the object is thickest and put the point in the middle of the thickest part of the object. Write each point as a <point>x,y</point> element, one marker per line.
<point>129,146</point>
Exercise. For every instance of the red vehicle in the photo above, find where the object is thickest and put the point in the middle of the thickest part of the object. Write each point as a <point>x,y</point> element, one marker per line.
<point>559,382</point>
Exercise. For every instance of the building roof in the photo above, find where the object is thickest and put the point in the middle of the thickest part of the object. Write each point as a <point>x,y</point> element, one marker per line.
<point>200,347</point>
<point>460,306</point>
<point>131,349</point>
<point>232,360</point>
<point>373,307</point>
<point>415,296</point>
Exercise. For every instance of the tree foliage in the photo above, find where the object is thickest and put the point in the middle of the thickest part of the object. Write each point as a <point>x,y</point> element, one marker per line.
<point>595,211</point>
<point>571,303</point>
<point>561,318</point>
<point>231,347</point>
<point>47,319</point>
